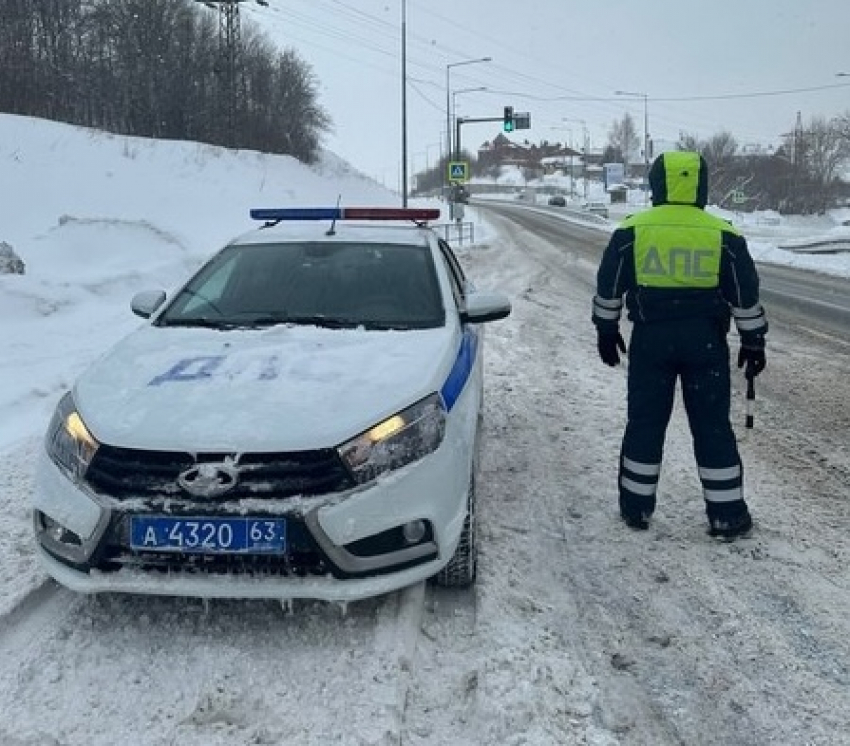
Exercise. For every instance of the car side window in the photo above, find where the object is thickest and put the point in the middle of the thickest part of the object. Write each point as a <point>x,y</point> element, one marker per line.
<point>455,273</point>
<point>204,292</point>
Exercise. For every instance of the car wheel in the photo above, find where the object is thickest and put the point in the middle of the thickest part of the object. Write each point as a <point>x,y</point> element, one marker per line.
<point>462,567</point>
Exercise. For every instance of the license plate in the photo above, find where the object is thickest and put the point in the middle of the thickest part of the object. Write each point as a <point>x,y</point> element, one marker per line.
<point>208,535</point>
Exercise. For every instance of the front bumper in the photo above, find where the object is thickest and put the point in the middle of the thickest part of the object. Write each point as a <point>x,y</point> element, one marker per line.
<point>347,546</point>
<point>326,588</point>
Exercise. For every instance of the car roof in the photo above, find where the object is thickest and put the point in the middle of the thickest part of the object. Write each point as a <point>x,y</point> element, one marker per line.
<point>319,232</point>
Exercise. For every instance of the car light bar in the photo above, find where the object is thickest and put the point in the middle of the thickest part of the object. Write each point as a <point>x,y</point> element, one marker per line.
<point>344,213</point>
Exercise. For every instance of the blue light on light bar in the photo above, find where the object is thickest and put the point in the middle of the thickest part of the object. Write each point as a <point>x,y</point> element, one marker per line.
<point>297,213</point>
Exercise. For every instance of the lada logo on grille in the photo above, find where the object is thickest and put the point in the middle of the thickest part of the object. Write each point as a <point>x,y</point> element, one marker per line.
<point>209,480</point>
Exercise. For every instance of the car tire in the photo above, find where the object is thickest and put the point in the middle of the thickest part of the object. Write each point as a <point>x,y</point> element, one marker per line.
<point>462,568</point>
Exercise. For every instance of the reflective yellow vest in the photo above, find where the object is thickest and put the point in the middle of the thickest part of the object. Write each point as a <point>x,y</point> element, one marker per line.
<point>677,246</point>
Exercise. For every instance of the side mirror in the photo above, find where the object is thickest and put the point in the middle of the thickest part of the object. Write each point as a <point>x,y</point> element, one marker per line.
<point>146,303</point>
<point>483,307</point>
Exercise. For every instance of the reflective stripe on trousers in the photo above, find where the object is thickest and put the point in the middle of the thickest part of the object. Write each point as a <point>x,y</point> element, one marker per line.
<point>694,352</point>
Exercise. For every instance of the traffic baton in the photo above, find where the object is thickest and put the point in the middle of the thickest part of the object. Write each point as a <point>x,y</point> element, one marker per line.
<point>751,399</point>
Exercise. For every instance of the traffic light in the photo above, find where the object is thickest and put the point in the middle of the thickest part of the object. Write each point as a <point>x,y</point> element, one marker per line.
<point>508,123</point>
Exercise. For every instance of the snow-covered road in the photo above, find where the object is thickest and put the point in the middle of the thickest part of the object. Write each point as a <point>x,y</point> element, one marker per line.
<point>579,630</point>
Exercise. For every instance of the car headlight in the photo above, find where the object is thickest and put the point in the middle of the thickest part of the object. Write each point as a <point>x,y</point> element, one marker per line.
<point>397,441</point>
<point>68,441</point>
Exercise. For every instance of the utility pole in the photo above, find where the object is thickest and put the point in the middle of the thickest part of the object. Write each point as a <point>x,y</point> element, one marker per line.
<point>585,150</point>
<point>404,103</point>
<point>798,144</point>
<point>449,68</point>
<point>230,46</point>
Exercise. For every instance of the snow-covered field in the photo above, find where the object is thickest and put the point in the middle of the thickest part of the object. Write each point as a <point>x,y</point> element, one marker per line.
<point>579,631</point>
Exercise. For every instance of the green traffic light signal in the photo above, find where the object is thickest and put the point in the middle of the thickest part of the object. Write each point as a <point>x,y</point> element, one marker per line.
<point>508,120</point>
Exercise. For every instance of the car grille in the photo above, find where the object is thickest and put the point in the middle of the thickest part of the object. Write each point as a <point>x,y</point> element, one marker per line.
<point>126,473</point>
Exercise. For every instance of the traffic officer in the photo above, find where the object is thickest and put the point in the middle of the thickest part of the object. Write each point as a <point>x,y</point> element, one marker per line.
<point>683,274</point>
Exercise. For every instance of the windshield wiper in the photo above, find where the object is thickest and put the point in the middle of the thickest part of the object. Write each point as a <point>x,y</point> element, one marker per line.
<point>204,323</point>
<point>266,320</point>
<point>318,319</point>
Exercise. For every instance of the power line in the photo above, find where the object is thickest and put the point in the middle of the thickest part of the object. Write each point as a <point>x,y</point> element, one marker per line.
<point>673,99</point>
<point>351,28</point>
<point>755,94</point>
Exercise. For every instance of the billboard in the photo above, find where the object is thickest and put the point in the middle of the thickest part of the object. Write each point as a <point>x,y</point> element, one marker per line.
<point>613,174</point>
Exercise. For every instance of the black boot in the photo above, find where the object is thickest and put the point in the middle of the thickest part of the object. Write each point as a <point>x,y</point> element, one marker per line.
<point>637,520</point>
<point>731,527</point>
<point>636,510</point>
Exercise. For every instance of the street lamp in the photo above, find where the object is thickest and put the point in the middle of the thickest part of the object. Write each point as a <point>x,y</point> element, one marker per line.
<point>404,103</point>
<point>645,136</point>
<point>570,148</point>
<point>449,97</point>
<point>585,148</point>
<point>454,108</point>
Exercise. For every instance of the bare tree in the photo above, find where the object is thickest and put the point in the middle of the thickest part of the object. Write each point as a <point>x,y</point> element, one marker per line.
<point>827,150</point>
<point>720,152</point>
<point>814,154</point>
<point>152,68</point>
<point>17,56</point>
<point>689,142</point>
<point>623,137</point>
<point>612,154</point>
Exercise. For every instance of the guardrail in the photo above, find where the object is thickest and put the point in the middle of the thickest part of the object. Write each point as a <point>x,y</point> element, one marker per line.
<point>819,246</point>
<point>568,211</point>
<point>590,217</point>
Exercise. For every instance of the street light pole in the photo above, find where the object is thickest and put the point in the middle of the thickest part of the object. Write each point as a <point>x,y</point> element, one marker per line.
<point>404,103</point>
<point>645,98</point>
<point>585,147</point>
<point>455,94</point>
<point>449,99</point>
<point>570,148</point>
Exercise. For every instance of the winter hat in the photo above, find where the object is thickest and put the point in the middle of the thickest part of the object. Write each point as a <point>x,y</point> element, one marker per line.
<point>679,178</point>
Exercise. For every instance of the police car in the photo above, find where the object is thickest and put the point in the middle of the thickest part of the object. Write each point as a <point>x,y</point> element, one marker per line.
<point>300,420</point>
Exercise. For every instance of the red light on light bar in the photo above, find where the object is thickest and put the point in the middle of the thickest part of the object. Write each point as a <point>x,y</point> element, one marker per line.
<point>389,213</point>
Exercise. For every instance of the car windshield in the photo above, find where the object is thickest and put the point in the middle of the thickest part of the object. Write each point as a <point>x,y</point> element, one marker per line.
<point>334,285</point>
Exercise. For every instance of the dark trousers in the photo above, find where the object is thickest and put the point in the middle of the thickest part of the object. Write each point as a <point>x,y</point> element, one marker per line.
<point>695,352</point>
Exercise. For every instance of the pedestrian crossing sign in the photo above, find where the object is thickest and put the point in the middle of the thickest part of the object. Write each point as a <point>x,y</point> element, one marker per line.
<point>458,171</point>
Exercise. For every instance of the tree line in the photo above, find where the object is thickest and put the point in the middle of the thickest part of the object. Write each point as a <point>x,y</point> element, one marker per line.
<point>801,176</point>
<point>156,68</point>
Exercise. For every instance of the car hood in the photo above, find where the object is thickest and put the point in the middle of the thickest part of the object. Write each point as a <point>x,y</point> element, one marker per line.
<point>285,388</point>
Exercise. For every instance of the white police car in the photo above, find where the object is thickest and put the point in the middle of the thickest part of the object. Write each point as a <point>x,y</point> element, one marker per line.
<point>300,420</point>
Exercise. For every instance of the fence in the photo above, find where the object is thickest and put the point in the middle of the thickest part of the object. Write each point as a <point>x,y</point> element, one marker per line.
<point>817,246</point>
<point>457,232</point>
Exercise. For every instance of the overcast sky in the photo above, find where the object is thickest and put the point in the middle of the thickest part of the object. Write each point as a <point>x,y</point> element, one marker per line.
<point>747,66</point>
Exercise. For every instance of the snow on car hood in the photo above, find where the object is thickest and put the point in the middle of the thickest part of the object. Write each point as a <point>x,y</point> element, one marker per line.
<point>285,388</point>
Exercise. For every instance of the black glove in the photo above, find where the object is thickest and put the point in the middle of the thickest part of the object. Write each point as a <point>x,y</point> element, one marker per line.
<point>752,355</point>
<point>608,344</point>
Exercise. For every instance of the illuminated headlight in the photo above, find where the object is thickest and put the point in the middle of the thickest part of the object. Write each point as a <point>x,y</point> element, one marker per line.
<point>397,441</point>
<point>68,441</point>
